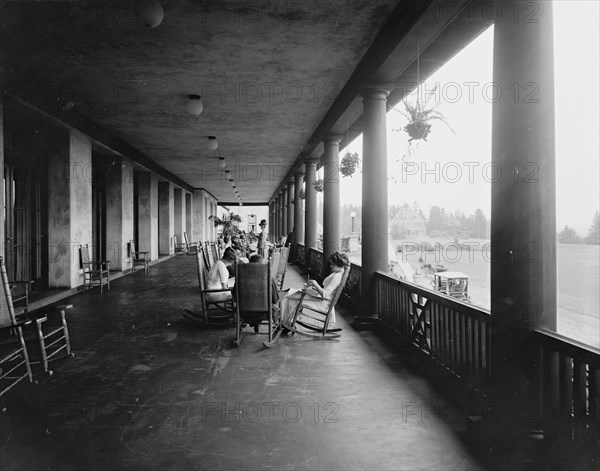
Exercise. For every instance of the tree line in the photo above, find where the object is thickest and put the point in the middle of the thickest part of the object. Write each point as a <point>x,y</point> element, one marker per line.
<point>569,236</point>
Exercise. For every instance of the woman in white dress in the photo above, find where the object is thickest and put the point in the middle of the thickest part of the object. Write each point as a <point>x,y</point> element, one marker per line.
<point>218,277</point>
<point>317,296</point>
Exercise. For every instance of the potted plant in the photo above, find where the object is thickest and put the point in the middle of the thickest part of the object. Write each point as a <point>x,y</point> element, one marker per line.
<point>229,222</point>
<point>301,194</point>
<point>349,163</point>
<point>318,185</point>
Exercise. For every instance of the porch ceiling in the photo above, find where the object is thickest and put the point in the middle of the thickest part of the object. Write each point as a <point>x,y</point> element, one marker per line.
<point>267,73</point>
<point>272,75</point>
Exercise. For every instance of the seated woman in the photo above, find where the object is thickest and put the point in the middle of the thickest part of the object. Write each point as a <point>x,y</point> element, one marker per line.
<point>317,297</point>
<point>218,277</point>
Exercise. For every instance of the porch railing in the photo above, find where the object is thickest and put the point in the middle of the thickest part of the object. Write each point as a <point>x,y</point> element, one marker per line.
<point>458,335</point>
<point>455,333</point>
<point>568,387</point>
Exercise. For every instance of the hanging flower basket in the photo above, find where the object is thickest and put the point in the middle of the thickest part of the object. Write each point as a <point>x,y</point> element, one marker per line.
<point>349,164</point>
<point>318,185</point>
<point>418,130</point>
<point>301,194</point>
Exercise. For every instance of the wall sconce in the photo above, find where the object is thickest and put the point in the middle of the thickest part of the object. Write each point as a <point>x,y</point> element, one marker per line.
<point>221,164</point>
<point>149,12</point>
<point>194,105</point>
<point>212,143</point>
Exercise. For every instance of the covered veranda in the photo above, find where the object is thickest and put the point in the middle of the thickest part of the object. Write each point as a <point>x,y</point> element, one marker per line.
<point>98,148</point>
<point>148,389</point>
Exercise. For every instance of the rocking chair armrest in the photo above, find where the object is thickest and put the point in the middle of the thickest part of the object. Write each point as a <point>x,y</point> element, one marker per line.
<point>18,323</point>
<point>26,283</point>
<point>97,263</point>
<point>141,253</point>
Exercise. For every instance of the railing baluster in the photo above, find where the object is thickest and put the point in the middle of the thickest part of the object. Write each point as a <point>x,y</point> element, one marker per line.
<point>579,397</point>
<point>565,391</point>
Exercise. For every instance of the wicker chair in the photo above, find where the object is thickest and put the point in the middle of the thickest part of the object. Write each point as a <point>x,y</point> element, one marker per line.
<point>95,272</point>
<point>14,360</point>
<point>139,259</point>
<point>254,302</point>
<point>212,312</point>
<point>314,323</point>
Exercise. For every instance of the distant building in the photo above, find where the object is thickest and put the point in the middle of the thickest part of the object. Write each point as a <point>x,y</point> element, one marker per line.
<point>409,222</point>
<point>252,224</point>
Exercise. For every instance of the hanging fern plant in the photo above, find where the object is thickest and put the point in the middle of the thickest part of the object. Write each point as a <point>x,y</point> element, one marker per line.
<point>419,115</point>
<point>301,194</point>
<point>349,164</point>
<point>318,185</point>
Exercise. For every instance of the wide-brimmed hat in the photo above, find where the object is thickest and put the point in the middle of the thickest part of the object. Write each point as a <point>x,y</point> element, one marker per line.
<point>263,222</point>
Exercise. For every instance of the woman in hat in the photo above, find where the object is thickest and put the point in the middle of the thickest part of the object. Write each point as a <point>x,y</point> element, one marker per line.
<point>262,238</point>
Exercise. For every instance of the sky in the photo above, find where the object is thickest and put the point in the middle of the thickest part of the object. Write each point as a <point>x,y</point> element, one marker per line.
<point>451,169</point>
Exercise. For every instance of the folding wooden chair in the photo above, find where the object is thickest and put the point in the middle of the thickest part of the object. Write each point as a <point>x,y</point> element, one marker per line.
<point>211,312</point>
<point>254,302</point>
<point>14,359</point>
<point>95,272</point>
<point>312,322</point>
<point>138,259</point>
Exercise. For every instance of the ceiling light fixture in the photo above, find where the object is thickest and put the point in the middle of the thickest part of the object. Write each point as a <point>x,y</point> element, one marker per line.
<point>221,164</point>
<point>194,105</point>
<point>149,12</point>
<point>212,143</point>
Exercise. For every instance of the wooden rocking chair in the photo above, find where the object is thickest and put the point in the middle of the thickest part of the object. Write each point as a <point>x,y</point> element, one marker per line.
<point>14,360</point>
<point>310,322</point>
<point>254,303</point>
<point>95,272</point>
<point>51,331</point>
<point>281,267</point>
<point>139,259</point>
<point>211,312</point>
<point>191,247</point>
<point>180,248</point>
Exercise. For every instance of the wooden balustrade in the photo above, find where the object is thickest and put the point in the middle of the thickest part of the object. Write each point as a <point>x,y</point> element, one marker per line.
<point>455,333</point>
<point>568,387</point>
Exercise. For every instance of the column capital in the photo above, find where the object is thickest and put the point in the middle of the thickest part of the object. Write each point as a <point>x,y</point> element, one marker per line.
<point>299,174</point>
<point>377,91</point>
<point>284,187</point>
<point>333,139</point>
<point>311,162</point>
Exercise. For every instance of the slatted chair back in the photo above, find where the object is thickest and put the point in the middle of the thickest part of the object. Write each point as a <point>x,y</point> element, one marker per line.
<point>7,311</point>
<point>282,266</point>
<point>274,260</point>
<point>212,253</point>
<point>84,251</point>
<point>191,247</point>
<point>339,290</point>
<point>201,269</point>
<point>11,371</point>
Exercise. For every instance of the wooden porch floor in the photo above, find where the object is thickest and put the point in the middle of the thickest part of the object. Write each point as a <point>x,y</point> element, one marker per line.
<point>150,390</point>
